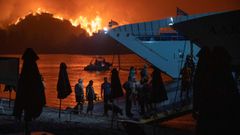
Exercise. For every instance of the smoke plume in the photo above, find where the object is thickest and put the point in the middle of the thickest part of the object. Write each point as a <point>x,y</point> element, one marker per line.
<point>123,11</point>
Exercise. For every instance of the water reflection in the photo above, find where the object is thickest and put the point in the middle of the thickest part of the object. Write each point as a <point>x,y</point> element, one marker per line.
<point>49,68</point>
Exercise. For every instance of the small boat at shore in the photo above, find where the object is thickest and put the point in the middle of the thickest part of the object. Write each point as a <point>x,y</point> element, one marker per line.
<point>99,65</point>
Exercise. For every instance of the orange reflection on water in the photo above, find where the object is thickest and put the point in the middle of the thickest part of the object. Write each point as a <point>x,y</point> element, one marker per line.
<point>49,68</point>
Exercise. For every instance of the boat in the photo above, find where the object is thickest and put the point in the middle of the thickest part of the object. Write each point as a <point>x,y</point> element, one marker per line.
<point>167,42</point>
<point>98,64</point>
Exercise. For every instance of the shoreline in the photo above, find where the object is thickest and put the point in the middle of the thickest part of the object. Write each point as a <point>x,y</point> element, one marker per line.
<point>73,124</point>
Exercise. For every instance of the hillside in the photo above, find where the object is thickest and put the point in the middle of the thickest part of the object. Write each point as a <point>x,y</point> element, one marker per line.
<point>50,35</point>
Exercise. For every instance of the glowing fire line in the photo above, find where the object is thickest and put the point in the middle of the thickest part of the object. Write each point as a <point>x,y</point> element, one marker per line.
<point>91,27</point>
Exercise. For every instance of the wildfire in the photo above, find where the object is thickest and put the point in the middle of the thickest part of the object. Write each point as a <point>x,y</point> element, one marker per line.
<point>91,26</point>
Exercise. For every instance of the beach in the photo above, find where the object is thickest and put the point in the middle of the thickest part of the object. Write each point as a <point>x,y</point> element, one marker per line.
<point>74,124</point>
<point>71,123</point>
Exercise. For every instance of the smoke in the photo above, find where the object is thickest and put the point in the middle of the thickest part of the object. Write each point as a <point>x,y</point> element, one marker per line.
<point>122,11</point>
<point>12,9</point>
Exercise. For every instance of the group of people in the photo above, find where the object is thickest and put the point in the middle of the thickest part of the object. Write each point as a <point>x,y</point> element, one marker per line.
<point>106,95</point>
<point>144,93</point>
<point>90,96</point>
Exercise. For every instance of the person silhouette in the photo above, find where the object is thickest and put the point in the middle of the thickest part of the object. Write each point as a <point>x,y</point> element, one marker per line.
<point>106,94</point>
<point>90,94</point>
<point>79,95</point>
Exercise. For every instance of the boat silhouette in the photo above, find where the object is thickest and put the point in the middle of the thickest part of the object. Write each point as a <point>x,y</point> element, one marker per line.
<point>98,64</point>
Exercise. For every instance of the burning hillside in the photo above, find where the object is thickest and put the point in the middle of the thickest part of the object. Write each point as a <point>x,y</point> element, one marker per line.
<point>48,34</point>
<point>91,26</point>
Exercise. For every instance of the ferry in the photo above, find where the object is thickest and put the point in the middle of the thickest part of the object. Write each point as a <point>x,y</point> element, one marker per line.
<point>166,43</point>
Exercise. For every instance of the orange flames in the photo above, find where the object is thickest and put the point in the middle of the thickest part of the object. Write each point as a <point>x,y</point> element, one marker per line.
<point>91,26</point>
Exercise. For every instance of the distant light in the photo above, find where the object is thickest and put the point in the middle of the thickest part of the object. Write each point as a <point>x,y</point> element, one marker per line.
<point>149,42</point>
<point>105,29</point>
<point>180,53</point>
<point>171,21</point>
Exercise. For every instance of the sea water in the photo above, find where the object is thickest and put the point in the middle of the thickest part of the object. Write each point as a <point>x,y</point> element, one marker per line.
<point>49,68</point>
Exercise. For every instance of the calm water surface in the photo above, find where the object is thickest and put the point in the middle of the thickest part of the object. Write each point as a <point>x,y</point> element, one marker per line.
<point>49,68</point>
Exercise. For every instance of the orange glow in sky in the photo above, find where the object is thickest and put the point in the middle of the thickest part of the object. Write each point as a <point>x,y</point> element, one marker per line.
<point>95,14</point>
<point>91,26</point>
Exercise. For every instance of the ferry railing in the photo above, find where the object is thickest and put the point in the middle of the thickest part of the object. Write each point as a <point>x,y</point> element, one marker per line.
<point>161,37</point>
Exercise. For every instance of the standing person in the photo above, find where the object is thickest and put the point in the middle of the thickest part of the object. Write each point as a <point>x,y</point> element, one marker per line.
<point>144,73</point>
<point>132,72</point>
<point>186,82</point>
<point>143,95</point>
<point>190,63</point>
<point>79,95</point>
<point>128,105</point>
<point>134,85</point>
<point>148,89</point>
<point>90,94</point>
<point>106,93</point>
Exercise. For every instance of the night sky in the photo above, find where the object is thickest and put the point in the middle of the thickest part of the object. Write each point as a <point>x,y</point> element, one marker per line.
<point>123,11</point>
